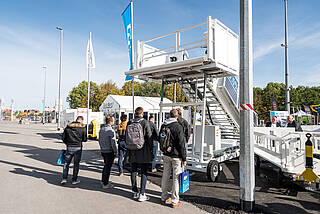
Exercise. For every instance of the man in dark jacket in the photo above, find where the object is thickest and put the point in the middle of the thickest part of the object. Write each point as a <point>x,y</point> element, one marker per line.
<point>173,159</point>
<point>140,159</point>
<point>73,136</point>
<point>155,136</point>
<point>293,123</point>
<point>274,122</point>
<point>185,125</point>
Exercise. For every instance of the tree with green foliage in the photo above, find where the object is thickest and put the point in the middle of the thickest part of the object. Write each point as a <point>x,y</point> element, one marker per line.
<point>299,97</point>
<point>78,96</point>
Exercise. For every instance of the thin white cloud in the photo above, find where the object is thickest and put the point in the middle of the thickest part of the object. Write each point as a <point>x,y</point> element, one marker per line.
<point>25,51</point>
<point>265,49</point>
<point>296,42</point>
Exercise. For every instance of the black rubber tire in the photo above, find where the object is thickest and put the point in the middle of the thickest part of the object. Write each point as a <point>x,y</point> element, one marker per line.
<point>213,170</point>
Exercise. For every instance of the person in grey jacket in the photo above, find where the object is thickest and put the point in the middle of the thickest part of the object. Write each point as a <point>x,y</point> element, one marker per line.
<point>107,142</point>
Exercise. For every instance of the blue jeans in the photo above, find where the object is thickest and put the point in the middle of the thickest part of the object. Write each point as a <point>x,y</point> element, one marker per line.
<point>134,168</point>
<point>75,153</point>
<point>122,148</point>
<point>154,151</point>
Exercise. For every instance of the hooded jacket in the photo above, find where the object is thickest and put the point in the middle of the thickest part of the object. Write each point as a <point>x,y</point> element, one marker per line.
<point>143,155</point>
<point>178,139</point>
<point>107,139</point>
<point>74,134</point>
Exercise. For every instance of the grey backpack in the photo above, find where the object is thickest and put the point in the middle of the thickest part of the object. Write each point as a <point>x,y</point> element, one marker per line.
<point>134,136</point>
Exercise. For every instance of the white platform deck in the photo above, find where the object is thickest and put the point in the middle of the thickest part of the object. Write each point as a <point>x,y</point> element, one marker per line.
<point>187,69</point>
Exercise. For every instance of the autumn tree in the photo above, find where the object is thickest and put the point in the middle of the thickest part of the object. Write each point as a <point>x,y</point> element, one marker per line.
<point>106,89</point>
<point>78,96</point>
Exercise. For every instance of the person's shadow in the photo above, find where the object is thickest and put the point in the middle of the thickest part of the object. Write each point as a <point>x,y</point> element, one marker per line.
<point>86,183</point>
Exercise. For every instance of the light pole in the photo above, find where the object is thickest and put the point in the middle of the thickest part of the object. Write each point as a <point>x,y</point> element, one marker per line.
<point>246,159</point>
<point>60,68</point>
<point>286,65</point>
<point>44,95</point>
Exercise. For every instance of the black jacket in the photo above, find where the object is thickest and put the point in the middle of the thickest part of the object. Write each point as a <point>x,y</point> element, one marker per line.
<point>278,124</point>
<point>154,131</point>
<point>74,134</point>
<point>296,125</point>
<point>186,128</point>
<point>178,139</point>
<point>143,155</point>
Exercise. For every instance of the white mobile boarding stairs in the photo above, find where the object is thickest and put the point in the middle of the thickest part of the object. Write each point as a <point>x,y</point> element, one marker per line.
<point>221,103</point>
<point>211,62</point>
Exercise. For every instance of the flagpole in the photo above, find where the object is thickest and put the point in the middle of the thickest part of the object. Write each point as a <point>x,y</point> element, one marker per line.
<point>88,67</point>
<point>88,106</point>
<point>132,58</point>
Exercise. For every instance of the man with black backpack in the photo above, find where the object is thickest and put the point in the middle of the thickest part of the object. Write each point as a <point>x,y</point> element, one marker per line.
<point>139,145</point>
<point>172,144</point>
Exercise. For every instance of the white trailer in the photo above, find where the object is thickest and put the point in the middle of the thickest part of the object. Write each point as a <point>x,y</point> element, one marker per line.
<point>70,115</point>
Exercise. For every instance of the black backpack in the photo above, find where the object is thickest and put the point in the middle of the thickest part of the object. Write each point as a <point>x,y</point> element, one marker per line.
<point>165,140</point>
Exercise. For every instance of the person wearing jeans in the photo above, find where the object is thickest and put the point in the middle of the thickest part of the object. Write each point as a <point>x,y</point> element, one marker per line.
<point>172,159</point>
<point>155,135</point>
<point>139,158</point>
<point>107,142</point>
<point>74,134</point>
<point>75,153</point>
<point>122,142</point>
<point>143,182</point>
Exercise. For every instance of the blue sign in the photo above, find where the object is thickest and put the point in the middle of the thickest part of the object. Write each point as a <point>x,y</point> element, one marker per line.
<point>128,26</point>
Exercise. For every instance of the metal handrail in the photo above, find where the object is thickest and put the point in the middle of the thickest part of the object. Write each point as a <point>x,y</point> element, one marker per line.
<point>178,31</point>
<point>166,53</point>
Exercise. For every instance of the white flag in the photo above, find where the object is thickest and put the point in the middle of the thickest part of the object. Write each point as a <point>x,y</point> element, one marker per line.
<point>90,56</point>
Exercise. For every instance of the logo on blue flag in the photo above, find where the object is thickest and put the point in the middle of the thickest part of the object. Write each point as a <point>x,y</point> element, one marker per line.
<point>128,25</point>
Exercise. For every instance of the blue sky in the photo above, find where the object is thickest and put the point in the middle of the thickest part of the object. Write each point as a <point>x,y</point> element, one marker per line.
<point>29,40</point>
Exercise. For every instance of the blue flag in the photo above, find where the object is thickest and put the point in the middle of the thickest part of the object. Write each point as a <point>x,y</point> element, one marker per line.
<point>128,26</point>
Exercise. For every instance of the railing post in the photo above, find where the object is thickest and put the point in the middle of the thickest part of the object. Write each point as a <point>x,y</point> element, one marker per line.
<point>210,47</point>
<point>203,122</point>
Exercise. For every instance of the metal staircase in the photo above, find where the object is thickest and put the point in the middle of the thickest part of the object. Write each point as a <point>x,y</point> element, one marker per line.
<point>221,103</point>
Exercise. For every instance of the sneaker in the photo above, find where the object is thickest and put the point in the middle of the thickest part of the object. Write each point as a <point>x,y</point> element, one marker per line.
<point>63,182</point>
<point>166,202</point>
<point>75,182</point>
<point>154,170</point>
<point>176,204</point>
<point>108,186</point>
<point>136,195</point>
<point>143,197</point>
<point>121,174</point>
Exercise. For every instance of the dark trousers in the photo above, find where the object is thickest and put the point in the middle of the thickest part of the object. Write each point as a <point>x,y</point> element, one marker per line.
<point>134,168</point>
<point>108,161</point>
<point>154,151</point>
<point>76,155</point>
<point>122,148</point>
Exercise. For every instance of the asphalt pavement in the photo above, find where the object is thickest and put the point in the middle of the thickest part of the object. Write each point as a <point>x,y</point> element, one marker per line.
<point>30,178</point>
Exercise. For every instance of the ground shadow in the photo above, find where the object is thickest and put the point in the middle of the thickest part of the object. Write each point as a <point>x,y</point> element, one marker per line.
<point>4,132</point>
<point>91,159</point>
<point>51,135</point>
<point>86,183</point>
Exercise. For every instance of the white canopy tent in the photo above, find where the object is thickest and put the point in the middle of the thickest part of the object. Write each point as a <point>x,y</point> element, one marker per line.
<point>301,113</point>
<point>117,105</point>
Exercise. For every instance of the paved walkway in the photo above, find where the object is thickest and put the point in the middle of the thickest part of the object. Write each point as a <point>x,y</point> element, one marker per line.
<point>30,178</point>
